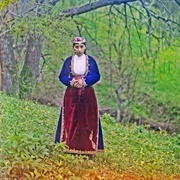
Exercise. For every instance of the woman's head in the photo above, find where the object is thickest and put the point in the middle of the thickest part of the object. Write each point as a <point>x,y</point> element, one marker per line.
<point>79,45</point>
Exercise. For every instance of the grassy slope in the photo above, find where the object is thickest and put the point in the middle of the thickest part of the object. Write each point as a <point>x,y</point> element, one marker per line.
<point>27,149</point>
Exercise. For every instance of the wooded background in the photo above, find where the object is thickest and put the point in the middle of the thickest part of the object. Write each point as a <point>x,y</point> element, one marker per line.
<point>135,43</point>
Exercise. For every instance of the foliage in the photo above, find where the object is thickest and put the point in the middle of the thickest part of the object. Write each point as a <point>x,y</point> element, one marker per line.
<point>119,47</point>
<point>28,151</point>
<point>27,129</point>
<point>5,3</point>
<point>121,38</point>
<point>51,32</point>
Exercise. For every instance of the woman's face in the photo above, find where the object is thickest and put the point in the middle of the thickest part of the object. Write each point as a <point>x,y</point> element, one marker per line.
<point>79,49</point>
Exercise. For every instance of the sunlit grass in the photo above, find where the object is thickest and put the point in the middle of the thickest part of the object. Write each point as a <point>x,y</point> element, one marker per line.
<point>28,150</point>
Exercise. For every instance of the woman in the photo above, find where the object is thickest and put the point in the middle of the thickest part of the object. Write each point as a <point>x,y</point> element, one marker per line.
<point>79,125</point>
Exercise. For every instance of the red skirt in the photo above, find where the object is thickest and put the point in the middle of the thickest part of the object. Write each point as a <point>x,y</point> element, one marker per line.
<point>80,121</point>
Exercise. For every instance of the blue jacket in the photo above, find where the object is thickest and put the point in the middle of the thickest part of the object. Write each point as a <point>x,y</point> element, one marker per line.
<point>91,78</point>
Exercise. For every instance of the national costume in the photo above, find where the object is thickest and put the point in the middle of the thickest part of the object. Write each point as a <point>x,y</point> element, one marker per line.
<point>79,123</point>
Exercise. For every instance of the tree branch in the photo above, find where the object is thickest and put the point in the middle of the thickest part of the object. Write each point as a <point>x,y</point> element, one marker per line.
<point>178,2</point>
<point>151,14</point>
<point>93,6</point>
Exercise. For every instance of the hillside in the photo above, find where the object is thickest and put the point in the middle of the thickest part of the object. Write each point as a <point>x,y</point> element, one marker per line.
<point>28,152</point>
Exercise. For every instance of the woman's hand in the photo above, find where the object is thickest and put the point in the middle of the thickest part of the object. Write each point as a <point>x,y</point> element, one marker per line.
<point>78,82</point>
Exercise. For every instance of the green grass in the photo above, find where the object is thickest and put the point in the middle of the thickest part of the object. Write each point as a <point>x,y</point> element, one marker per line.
<point>28,151</point>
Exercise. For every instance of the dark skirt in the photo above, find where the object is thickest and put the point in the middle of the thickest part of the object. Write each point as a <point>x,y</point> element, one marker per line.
<point>79,124</point>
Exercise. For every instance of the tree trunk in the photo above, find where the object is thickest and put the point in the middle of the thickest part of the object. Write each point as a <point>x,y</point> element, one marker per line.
<point>119,101</point>
<point>9,74</point>
<point>9,69</point>
<point>30,71</point>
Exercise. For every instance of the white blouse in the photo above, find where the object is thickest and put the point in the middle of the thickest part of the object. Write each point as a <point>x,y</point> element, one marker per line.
<point>79,64</point>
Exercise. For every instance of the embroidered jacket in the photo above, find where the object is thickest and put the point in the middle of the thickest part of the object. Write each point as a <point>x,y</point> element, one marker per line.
<point>91,77</point>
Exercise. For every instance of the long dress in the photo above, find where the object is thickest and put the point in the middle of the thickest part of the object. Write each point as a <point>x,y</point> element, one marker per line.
<point>79,123</point>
